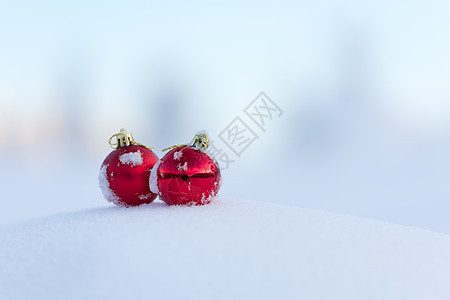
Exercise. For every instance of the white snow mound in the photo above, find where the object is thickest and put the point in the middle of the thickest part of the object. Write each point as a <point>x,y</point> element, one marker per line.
<point>225,250</point>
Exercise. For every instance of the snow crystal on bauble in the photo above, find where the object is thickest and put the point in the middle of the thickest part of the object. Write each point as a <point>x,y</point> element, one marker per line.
<point>104,186</point>
<point>132,158</point>
<point>154,178</point>
<point>177,155</point>
<point>183,167</point>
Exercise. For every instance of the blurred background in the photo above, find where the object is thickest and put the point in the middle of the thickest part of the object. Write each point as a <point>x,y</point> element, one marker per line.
<point>363,86</point>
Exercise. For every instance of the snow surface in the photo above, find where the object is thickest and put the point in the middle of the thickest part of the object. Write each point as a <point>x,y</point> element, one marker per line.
<point>226,250</point>
<point>132,158</point>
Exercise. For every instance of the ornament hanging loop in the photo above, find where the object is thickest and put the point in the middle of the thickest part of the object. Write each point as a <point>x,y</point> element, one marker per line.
<point>171,147</point>
<point>199,142</point>
<point>123,139</point>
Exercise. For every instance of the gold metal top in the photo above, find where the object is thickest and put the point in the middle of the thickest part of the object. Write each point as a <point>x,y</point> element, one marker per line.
<point>123,139</point>
<point>199,142</point>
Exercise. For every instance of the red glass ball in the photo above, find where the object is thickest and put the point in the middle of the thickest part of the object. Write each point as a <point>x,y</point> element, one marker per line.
<point>186,176</point>
<point>125,173</point>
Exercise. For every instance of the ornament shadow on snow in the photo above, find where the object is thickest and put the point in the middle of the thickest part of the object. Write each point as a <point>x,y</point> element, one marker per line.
<point>187,175</point>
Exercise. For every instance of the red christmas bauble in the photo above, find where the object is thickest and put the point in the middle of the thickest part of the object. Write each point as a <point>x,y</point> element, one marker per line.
<point>186,175</point>
<point>125,173</point>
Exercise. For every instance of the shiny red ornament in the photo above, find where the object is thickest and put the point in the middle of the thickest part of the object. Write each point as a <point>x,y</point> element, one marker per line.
<point>186,175</point>
<point>125,172</point>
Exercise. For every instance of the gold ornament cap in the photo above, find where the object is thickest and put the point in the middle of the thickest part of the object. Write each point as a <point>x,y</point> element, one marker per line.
<point>123,139</point>
<point>199,142</point>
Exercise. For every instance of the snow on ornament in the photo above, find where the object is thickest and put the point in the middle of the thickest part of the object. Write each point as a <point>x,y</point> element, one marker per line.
<point>125,172</point>
<point>187,174</point>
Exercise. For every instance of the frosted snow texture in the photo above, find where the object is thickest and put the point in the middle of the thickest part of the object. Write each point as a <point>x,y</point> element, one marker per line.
<point>182,167</point>
<point>177,155</point>
<point>104,186</point>
<point>153,180</point>
<point>132,158</point>
<point>225,250</point>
